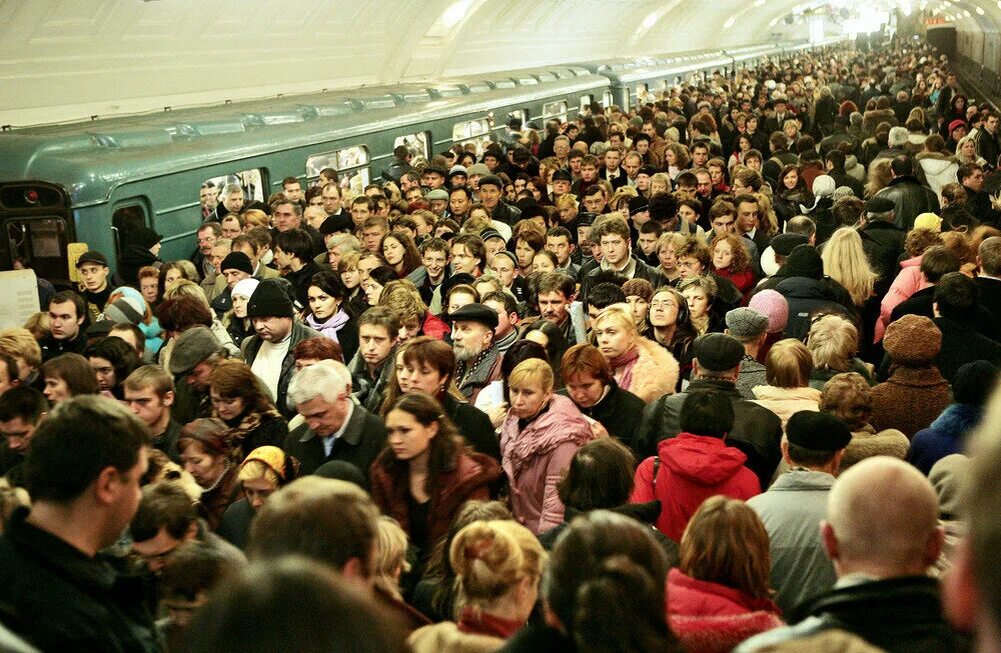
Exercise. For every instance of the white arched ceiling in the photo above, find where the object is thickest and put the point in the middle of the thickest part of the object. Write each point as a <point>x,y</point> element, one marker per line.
<point>71,59</point>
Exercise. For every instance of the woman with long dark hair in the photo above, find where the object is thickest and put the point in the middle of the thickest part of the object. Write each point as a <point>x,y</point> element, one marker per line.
<point>241,401</point>
<point>425,474</point>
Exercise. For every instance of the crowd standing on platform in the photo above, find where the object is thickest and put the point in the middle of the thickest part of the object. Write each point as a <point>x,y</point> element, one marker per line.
<point>713,373</point>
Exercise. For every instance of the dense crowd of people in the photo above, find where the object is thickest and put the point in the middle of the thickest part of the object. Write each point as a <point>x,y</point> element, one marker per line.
<point>714,373</point>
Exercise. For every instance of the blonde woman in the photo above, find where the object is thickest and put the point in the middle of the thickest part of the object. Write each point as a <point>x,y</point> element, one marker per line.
<point>787,373</point>
<point>833,343</point>
<point>498,566</point>
<point>966,151</point>
<point>879,177</point>
<point>845,262</point>
<point>390,559</point>
<point>639,365</point>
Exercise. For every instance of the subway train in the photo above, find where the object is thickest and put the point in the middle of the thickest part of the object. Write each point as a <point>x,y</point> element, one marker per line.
<point>65,188</point>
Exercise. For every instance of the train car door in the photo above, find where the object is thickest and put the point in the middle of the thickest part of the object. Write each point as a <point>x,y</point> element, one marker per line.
<point>37,224</point>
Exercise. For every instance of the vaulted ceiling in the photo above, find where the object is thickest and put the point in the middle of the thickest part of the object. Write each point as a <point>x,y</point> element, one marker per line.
<point>71,59</point>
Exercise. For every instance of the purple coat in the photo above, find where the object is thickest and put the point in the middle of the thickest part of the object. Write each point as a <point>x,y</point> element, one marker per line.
<point>535,459</point>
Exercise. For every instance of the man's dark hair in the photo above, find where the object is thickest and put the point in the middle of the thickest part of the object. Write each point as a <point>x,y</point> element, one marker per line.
<point>80,438</point>
<point>706,413</point>
<point>460,189</point>
<point>163,505</point>
<point>847,211</point>
<point>69,296</point>
<point>560,232</point>
<point>605,294</point>
<point>902,165</point>
<point>600,476</point>
<point>501,297</point>
<point>652,227</point>
<point>23,402</point>
<point>381,316</point>
<point>662,207</point>
<point>938,261</point>
<point>956,296</point>
<point>966,171</point>
<point>475,246</point>
<point>295,242</point>
<point>836,158</point>
<point>687,179</point>
<point>556,281</point>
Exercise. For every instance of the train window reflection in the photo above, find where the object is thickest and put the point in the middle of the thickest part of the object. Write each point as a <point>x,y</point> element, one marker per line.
<point>416,144</point>
<point>349,162</point>
<point>251,181</point>
<point>555,110</point>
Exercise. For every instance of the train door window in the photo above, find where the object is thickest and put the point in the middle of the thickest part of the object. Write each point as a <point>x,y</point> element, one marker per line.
<point>251,181</point>
<point>351,164</point>
<point>585,104</point>
<point>476,132</point>
<point>520,114</point>
<point>416,144</point>
<point>641,91</point>
<point>607,99</point>
<point>556,110</point>
<point>124,221</point>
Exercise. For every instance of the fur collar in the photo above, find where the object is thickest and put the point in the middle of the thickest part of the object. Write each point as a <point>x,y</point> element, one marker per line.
<point>655,372</point>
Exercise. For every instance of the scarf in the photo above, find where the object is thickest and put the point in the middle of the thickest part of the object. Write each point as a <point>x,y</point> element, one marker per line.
<point>622,366</point>
<point>331,325</point>
<point>236,434</point>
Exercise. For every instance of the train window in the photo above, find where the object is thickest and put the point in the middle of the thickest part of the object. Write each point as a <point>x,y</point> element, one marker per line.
<point>585,104</point>
<point>607,99</point>
<point>555,110</point>
<point>473,131</point>
<point>252,182</point>
<point>351,164</point>
<point>641,91</point>
<point>520,114</point>
<point>416,144</point>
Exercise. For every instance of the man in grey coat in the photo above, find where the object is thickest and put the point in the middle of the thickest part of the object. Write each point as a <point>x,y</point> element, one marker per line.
<point>750,327</point>
<point>796,503</point>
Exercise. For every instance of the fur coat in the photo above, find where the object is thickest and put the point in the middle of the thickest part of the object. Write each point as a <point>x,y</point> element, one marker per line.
<point>654,373</point>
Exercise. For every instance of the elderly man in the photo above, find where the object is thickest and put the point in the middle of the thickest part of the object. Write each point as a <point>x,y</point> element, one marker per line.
<point>336,428</point>
<point>478,360</point>
<point>269,350</point>
<point>796,503</point>
<point>882,535</point>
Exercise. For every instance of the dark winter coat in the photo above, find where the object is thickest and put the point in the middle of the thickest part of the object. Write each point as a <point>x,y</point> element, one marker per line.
<point>360,445</point>
<point>252,345</point>
<point>469,479</point>
<point>620,412</point>
<point>756,431</point>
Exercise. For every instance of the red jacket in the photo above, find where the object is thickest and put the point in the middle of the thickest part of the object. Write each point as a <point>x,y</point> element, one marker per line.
<point>709,618</point>
<point>743,280</point>
<point>434,327</point>
<point>469,479</point>
<point>692,469</point>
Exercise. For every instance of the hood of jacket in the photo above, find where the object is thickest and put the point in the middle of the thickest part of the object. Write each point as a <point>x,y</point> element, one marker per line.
<point>701,459</point>
<point>690,596</point>
<point>447,638</point>
<point>851,162</point>
<point>774,393</point>
<point>655,372</point>
<point>562,422</point>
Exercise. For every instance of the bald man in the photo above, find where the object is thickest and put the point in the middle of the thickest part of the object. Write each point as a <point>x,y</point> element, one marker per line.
<point>882,535</point>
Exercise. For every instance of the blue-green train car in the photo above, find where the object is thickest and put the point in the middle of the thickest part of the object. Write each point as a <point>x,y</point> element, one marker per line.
<point>81,182</point>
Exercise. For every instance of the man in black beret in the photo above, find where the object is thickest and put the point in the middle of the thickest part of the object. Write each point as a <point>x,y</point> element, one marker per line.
<point>793,507</point>
<point>478,360</point>
<point>757,431</point>
<point>561,181</point>
<point>882,240</point>
<point>269,351</point>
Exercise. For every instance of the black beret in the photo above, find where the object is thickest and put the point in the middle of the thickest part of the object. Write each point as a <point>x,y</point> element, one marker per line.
<point>817,431</point>
<point>717,352</point>
<point>638,204</point>
<point>476,313</point>
<point>586,219</point>
<point>434,170</point>
<point>237,261</point>
<point>562,175</point>
<point>647,170</point>
<point>783,244</point>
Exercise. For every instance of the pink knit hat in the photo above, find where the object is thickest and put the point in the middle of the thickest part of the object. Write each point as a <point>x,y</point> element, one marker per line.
<point>774,305</point>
